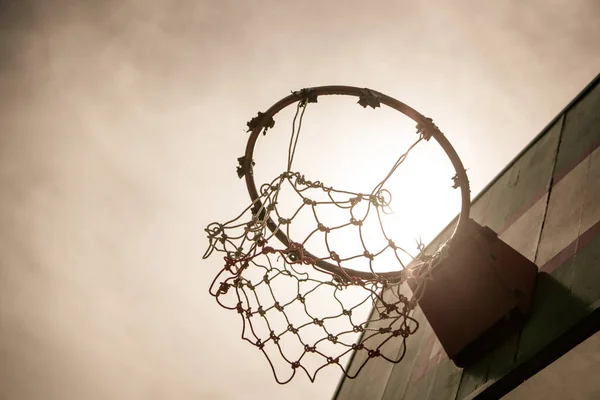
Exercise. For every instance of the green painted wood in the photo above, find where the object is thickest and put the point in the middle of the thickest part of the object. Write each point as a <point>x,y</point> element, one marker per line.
<point>370,383</point>
<point>565,296</point>
<point>551,316</point>
<point>374,376</point>
<point>473,377</point>
<point>516,189</point>
<point>586,278</point>
<point>551,303</point>
<point>563,216</point>
<point>591,203</point>
<point>501,360</point>
<point>524,183</point>
<point>523,234</point>
<point>400,375</point>
<point>479,206</point>
<point>495,208</point>
<point>504,358</point>
<point>535,172</point>
<point>562,299</point>
<point>446,381</point>
<point>501,194</point>
<point>581,130</point>
<point>420,389</point>
<point>550,312</point>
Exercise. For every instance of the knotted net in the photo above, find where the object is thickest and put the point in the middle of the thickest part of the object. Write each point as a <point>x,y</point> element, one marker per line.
<point>299,306</point>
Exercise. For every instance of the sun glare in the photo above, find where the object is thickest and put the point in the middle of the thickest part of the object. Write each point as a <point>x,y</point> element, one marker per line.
<point>422,200</point>
<point>351,148</point>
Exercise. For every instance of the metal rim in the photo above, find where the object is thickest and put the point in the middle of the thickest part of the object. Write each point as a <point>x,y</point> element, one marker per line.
<point>373,99</point>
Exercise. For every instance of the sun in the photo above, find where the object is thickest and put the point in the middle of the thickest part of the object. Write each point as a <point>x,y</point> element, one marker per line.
<point>422,200</point>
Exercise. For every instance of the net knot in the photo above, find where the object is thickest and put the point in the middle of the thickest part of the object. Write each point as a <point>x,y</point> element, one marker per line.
<point>274,337</point>
<point>357,346</point>
<point>390,308</point>
<point>402,332</point>
<point>309,349</point>
<point>355,200</point>
<point>374,353</point>
<point>334,256</point>
<point>356,222</point>
<point>323,228</point>
<point>223,288</point>
<point>268,250</point>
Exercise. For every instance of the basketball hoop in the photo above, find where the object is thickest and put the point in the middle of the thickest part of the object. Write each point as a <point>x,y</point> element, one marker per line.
<point>261,254</point>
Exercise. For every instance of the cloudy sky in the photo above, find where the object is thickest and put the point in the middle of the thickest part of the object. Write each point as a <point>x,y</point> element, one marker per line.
<point>120,124</point>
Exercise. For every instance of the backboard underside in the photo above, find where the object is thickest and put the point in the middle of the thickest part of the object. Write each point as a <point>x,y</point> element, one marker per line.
<point>546,205</point>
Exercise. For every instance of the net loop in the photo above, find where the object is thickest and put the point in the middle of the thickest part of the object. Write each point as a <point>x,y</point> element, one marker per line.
<point>255,265</point>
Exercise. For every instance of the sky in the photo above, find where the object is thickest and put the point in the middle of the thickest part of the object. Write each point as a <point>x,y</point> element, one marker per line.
<point>120,126</point>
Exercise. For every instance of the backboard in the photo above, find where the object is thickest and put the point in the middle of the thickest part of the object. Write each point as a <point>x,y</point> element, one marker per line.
<point>546,205</point>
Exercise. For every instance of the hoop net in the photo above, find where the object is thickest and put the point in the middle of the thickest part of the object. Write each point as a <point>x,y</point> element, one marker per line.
<point>277,287</point>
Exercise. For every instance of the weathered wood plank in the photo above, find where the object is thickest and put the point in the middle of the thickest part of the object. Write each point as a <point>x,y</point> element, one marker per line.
<point>581,132</point>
